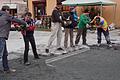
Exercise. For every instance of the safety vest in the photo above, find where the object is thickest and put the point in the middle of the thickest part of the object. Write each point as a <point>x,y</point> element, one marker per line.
<point>103,23</point>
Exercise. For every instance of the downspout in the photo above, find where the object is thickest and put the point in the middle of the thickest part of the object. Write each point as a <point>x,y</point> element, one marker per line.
<point>101,9</point>
<point>114,16</point>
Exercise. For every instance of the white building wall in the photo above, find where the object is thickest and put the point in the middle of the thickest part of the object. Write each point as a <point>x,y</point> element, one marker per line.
<point>20,5</point>
<point>3,2</point>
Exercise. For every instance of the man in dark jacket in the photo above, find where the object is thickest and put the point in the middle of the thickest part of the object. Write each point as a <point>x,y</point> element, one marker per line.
<point>5,25</point>
<point>69,20</point>
<point>56,30</point>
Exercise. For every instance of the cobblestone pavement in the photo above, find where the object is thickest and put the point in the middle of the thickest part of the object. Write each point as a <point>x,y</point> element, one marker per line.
<point>96,63</point>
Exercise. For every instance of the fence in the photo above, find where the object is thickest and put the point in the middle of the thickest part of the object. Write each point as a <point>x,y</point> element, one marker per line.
<point>45,22</point>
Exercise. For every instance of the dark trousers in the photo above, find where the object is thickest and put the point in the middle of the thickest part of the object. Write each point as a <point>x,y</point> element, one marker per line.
<point>106,34</point>
<point>32,42</point>
<point>4,54</point>
<point>80,32</point>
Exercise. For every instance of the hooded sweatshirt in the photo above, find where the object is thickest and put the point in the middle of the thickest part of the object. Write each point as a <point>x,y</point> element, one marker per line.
<point>5,23</point>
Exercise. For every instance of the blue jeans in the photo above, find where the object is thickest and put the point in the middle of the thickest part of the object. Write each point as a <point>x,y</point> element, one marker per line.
<point>4,53</point>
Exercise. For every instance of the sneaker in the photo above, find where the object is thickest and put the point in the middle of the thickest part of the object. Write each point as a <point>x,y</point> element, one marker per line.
<point>109,45</point>
<point>47,50</point>
<point>27,63</point>
<point>10,71</point>
<point>60,48</point>
<point>65,52</point>
<point>98,44</point>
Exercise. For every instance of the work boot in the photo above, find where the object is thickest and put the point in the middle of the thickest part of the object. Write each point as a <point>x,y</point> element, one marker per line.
<point>47,50</point>
<point>60,48</point>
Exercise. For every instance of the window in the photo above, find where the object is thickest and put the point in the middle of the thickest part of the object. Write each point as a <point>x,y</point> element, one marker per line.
<point>39,8</point>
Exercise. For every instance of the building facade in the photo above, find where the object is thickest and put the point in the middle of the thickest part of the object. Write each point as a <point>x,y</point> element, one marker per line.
<point>17,7</point>
<point>112,13</point>
<point>45,7</point>
<point>41,7</point>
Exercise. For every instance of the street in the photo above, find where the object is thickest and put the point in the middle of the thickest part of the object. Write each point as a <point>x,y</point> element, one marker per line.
<point>96,63</point>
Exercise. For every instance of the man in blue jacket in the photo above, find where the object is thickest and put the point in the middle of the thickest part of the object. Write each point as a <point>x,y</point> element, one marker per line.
<point>5,25</point>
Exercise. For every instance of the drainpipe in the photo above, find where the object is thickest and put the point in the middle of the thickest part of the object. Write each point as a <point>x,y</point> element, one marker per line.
<point>114,16</point>
<point>10,1</point>
<point>27,3</point>
<point>101,9</point>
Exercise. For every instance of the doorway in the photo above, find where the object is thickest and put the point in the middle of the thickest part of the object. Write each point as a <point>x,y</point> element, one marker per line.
<point>39,8</point>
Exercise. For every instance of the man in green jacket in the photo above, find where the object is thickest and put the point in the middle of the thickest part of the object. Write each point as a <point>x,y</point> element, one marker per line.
<point>82,29</point>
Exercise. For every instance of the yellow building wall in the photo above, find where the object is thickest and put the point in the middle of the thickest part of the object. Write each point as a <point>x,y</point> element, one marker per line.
<point>108,11</point>
<point>112,15</point>
<point>50,4</point>
<point>30,6</point>
<point>117,13</point>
